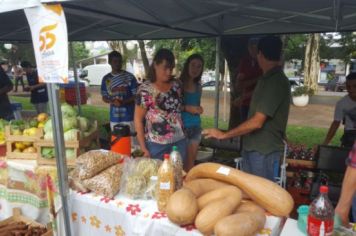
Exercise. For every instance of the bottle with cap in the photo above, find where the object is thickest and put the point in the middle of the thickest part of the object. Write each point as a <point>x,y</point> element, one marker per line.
<point>321,215</point>
<point>177,164</point>
<point>165,183</point>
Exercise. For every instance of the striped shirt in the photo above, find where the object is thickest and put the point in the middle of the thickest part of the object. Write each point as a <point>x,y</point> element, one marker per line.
<point>120,86</point>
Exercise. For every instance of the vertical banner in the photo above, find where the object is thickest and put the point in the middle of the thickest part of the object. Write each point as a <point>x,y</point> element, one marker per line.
<point>50,42</point>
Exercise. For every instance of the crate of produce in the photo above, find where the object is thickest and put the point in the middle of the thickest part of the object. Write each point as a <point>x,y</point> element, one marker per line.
<point>21,225</point>
<point>296,163</point>
<point>21,143</point>
<point>73,148</point>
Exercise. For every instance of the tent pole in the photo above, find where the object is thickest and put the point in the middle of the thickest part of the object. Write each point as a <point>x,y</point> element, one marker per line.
<point>77,85</point>
<point>217,79</point>
<point>61,162</point>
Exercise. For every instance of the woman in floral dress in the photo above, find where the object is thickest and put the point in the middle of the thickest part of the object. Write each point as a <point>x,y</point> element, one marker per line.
<point>158,109</point>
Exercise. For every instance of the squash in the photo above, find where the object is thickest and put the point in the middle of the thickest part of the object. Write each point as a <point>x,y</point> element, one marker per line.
<point>202,186</point>
<point>218,194</point>
<point>182,207</point>
<point>264,192</point>
<point>241,224</point>
<point>249,206</point>
<point>215,211</point>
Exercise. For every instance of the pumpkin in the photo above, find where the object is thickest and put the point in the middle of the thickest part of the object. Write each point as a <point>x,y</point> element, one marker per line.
<point>202,186</point>
<point>241,224</point>
<point>182,207</point>
<point>264,192</point>
<point>215,211</point>
<point>218,194</point>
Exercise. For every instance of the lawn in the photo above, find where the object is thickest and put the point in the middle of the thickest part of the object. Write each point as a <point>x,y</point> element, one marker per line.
<point>309,136</point>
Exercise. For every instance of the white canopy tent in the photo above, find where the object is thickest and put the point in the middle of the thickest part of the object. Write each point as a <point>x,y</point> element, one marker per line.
<point>92,20</point>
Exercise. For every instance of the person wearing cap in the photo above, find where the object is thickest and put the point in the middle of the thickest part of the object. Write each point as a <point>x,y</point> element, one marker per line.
<point>248,73</point>
<point>39,96</point>
<point>5,87</point>
<point>264,130</point>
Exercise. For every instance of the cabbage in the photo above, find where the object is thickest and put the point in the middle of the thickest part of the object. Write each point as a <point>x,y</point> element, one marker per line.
<point>47,152</point>
<point>69,123</point>
<point>48,135</point>
<point>68,110</point>
<point>70,153</point>
<point>48,126</point>
<point>83,123</point>
<point>71,135</point>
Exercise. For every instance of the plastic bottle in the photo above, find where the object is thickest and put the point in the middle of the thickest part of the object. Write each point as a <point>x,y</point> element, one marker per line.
<point>321,215</point>
<point>165,183</point>
<point>177,163</point>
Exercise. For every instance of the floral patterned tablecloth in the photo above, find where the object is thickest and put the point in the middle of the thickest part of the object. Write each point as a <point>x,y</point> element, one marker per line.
<point>97,215</point>
<point>24,185</point>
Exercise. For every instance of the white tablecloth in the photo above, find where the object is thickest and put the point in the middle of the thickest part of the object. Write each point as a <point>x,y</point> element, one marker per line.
<point>291,229</point>
<point>96,215</point>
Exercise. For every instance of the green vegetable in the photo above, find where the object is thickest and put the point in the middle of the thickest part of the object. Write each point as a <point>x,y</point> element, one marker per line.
<point>70,154</point>
<point>71,135</point>
<point>48,126</point>
<point>69,123</point>
<point>3,123</point>
<point>47,152</point>
<point>83,123</point>
<point>68,110</point>
<point>33,123</point>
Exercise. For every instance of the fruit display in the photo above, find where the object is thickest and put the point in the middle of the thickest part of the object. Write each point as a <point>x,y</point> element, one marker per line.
<point>22,135</point>
<point>3,123</point>
<point>214,199</point>
<point>80,135</point>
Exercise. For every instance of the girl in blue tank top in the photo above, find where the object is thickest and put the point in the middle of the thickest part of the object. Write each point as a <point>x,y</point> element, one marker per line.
<point>190,77</point>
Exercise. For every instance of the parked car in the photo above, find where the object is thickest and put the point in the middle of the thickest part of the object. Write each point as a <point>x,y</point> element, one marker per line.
<point>295,82</point>
<point>338,84</point>
<point>210,85</point>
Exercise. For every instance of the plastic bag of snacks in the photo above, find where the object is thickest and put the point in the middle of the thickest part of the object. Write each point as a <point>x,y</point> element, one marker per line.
<point>136,177</point>
<point>75,183</point>
<point>107,182</point>
<point>93,162</point>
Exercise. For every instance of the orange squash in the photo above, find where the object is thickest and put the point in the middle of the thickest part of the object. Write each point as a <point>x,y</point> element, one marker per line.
<point>219,194</point>
<point>241,224</point>
<point>215,211</point>
<point>182,207</point>
<point>264,192</point>
<point>202,186</point>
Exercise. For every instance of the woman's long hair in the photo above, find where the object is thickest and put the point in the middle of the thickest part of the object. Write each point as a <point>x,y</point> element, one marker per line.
<point>162,54</point>
<point>185,72</point>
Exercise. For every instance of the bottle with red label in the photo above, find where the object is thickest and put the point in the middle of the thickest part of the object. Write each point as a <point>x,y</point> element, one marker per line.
<point>321,215</point>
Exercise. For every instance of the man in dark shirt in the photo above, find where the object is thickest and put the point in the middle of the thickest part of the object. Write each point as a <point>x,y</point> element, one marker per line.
<point>39,97</point>
<point>265,128</point>
<point>5,87</point>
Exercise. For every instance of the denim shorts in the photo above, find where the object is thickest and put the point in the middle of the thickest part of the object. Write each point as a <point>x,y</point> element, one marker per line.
<point>193,134</point>
<point>158,150</point>
<point>266,166</point>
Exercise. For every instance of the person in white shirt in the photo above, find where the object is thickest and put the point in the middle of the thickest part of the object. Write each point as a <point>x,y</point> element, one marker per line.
<point>345,112</point>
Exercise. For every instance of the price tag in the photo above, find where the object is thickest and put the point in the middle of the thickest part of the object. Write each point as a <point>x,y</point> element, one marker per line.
<point>223,170</point>
<point>165,185</point>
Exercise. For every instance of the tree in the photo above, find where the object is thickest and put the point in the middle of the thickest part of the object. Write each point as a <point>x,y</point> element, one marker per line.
<point>145,62</point>
<point>294,46</point>
<point>183,48</point>
<point>312,62</point>
<point>80,52</point>
<point>347,42</point>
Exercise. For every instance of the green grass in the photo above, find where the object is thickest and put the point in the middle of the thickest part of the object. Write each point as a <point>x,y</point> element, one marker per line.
<point>310,136</point>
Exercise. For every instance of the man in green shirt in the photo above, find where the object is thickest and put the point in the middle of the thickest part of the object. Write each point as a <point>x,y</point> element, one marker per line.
<point>264,130</point>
